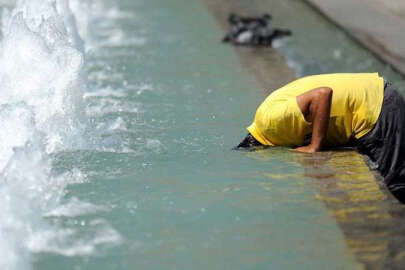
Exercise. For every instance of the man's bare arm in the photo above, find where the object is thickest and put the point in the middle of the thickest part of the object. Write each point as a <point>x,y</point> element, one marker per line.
<point>315,106</point>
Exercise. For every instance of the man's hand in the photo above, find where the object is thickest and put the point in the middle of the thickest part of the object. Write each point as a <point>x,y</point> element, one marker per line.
<point>306,149</point>
<point>315,106</point>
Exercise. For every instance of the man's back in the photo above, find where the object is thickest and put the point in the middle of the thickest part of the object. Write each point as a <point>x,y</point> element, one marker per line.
<point>356,104</point>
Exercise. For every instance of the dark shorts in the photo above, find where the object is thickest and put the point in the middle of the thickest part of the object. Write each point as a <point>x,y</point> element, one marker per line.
<point>385,143</point>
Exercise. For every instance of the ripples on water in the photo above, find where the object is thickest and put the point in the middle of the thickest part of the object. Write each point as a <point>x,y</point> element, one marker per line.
<point>78,126</point>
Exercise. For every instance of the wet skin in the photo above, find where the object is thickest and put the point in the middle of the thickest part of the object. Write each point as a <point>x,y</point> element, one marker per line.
<point>315,106</point>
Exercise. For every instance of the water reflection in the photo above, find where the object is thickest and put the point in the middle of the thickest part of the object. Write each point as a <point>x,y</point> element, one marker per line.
<point>371,219</point>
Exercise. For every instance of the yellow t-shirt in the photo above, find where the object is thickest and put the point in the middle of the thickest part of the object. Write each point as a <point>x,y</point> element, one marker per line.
<point>356,104</point>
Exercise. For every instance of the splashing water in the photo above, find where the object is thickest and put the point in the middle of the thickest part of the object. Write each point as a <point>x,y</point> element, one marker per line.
<point>162,172</point>
<point>41,113</point>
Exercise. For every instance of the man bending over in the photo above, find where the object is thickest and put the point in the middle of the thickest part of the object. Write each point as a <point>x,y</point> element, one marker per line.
<point>331,110</point>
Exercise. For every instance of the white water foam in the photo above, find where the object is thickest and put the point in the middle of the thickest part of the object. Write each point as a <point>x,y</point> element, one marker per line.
<point>41,113</point>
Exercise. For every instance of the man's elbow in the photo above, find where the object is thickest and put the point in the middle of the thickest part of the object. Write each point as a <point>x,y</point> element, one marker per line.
<point>326,91</point>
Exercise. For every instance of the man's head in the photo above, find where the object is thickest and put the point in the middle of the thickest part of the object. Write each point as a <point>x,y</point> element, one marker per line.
<point>248,142</point>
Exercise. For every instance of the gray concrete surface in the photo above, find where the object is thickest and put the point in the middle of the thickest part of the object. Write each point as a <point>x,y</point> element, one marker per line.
<point>377,24</point>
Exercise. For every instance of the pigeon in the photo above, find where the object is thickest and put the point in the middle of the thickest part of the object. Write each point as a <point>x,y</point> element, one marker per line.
<point>252,31</point>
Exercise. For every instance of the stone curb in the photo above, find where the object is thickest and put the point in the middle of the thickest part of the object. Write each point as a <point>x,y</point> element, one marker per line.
<point>369,23</point>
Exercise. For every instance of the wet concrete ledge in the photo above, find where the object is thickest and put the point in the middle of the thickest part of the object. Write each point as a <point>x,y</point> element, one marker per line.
<point>376,24</point>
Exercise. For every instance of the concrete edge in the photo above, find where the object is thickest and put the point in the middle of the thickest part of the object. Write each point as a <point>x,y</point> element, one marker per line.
<point>396,62</point>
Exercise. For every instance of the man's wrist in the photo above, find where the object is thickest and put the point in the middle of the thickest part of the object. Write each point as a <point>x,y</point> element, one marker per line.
<point>315,146</point>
